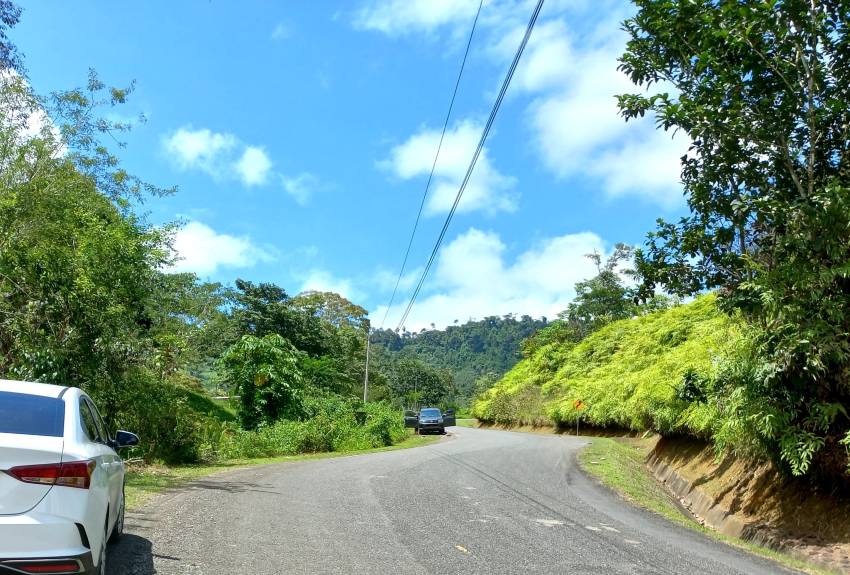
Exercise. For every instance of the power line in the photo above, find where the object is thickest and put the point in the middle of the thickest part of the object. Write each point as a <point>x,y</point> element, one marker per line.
<point>475,156</point>
<point>434,164</point>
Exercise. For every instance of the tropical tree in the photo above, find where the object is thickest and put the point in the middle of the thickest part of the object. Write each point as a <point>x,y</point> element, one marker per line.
<point>262,309</point>
<point>10,14</point>
<point>77,271</point>
<point>419,384</point>
<point>264,372</point>
<point>331,308</point>
<point>762,92</point>
<point>603,298</point>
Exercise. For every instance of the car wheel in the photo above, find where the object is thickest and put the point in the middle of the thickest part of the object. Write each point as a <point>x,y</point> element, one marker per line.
<point>118,528</point>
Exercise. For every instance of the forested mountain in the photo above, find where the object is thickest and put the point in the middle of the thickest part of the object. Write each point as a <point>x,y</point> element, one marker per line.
<point>487,346</point>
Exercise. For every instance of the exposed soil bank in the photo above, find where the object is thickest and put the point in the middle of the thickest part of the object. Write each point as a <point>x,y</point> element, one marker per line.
<point>755,502</point>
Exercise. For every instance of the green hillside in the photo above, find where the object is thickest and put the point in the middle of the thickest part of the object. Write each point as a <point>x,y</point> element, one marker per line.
<point>626,375</point>
<point>470,350</point>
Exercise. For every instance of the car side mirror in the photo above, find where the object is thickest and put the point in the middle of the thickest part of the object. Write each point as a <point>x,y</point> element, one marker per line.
<point>124,439</point>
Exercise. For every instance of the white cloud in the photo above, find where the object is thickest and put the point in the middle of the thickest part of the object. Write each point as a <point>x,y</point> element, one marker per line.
<point>649,168</point>
<point>300,187</point>
<point>282,31</point>
<point>475,278</point>
<point>322,280</point>
<point>203,149</point>
<point>404,16</point>
<point>545,61</point>
<point>577,126</point>
<point>488,190</point>
<point>384,279</point>
<point>224,156</point>
<point>569,74</point>
<point>253,166</point>
<point>202,250</point>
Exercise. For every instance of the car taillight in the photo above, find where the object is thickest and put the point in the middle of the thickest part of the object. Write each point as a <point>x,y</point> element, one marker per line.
<point>56,567</point>
<point>67,474</point>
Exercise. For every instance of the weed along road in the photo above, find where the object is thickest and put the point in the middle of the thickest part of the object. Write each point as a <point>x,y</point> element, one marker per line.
<point>478,501</point>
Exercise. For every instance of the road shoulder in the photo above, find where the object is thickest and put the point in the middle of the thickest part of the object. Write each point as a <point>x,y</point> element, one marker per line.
<point>619,465</point>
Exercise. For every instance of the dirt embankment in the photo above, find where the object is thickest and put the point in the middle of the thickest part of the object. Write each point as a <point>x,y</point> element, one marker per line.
<point>755,502</point>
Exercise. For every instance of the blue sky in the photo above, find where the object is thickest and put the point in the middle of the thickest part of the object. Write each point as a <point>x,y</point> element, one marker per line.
<point>300,135</point>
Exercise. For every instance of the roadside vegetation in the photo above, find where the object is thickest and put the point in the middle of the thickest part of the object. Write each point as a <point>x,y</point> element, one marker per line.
<point>627,375</point>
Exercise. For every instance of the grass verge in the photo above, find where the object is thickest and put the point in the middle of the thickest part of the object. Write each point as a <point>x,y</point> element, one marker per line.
<point>467,422</point>
<point>619,464</point>
<point>143,482</point>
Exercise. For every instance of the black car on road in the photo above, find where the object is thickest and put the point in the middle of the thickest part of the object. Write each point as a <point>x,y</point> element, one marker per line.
<point>432,419</point>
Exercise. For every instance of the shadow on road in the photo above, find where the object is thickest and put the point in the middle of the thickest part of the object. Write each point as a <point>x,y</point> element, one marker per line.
<point>228,486</point>
<point>132,555</point>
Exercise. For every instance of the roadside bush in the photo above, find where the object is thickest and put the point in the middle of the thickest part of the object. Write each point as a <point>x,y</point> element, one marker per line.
<point>169,429</point>
<point>383,424</point>
<point>330,425</point>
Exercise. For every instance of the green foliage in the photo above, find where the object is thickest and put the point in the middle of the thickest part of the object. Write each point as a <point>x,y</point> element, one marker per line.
<point>201,403</point>
<point>327,328</point>
<point>331,308</point>
<point>265,308</point>
<point>419,384</point>
<point>330,424</point>
<point>78,272</point>
<point>10,14</point>
<point>161,414</point>
<point>753,419</point>
<point>626,375</point>
<point>761,90</point>
<point>602,298</point>
<point>264,372</point>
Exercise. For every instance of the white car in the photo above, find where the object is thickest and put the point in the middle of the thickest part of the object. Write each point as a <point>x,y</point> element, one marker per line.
<point>61,481</point>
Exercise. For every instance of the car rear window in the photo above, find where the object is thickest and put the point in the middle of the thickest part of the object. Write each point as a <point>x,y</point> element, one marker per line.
<point>31,414</point>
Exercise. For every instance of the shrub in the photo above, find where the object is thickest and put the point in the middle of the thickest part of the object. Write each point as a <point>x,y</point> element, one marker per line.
<point>330,425</point>
<point>383,425</point>
<point>169,429</point>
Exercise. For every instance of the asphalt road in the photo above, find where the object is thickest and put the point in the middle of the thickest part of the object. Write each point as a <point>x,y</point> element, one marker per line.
<point>478,501</point>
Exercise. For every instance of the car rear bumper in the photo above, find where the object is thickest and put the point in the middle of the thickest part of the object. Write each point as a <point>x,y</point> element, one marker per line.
<point>64,564</point>
<point>40,535</point>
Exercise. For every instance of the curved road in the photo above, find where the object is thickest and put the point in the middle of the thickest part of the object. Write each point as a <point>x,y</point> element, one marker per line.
<point>478,501</point>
